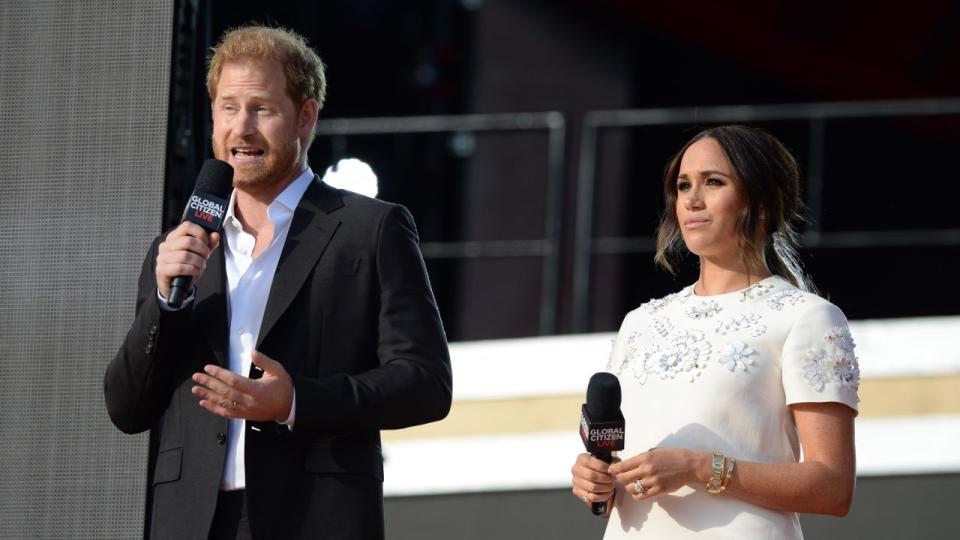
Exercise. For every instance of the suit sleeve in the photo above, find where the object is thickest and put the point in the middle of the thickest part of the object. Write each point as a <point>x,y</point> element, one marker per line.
<point>413,382</point>
<point>138,381</point>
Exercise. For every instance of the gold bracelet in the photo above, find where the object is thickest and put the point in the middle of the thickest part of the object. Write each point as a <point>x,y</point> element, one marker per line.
<point>715,485</point>
<point>731,463</point>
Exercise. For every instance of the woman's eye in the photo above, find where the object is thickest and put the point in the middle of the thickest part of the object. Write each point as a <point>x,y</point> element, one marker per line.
<point>683,186</point>
<point>714,182</point>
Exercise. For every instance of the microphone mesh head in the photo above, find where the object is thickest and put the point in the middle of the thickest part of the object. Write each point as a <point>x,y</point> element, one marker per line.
<point>603,397</point>
<point>215,178</point>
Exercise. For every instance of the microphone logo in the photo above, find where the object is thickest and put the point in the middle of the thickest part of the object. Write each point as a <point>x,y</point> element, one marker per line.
<point>206,210</point>
<point>601,436</point>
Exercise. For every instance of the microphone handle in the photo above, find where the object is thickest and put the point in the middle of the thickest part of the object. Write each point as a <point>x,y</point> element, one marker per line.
<point>178,291</point>
<point>598,508</point>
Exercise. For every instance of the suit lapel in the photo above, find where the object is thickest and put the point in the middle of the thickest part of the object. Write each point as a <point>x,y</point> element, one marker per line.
<point>211,305</point>
<point>310,232</point>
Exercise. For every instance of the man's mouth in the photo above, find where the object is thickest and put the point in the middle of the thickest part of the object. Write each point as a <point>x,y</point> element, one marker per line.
<point>243,154</point>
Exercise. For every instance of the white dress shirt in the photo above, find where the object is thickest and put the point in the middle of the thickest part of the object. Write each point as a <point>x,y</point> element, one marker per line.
<point>248,281</point>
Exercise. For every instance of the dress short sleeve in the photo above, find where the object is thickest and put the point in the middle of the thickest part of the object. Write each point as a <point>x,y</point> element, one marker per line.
<point>819,361</point>
<point>618,346</point>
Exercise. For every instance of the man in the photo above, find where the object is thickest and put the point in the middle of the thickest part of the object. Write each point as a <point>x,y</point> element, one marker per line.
<point>311,327</point>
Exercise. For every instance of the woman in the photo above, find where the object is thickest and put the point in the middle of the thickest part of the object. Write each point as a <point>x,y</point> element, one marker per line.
<point>724,381</point>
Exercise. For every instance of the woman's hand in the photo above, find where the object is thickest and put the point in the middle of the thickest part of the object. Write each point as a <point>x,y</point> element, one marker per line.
<point>592,482</point>
<point>659,471</point>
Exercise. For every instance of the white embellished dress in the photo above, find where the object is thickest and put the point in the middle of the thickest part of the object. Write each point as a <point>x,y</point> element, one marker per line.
<point>717,373</point>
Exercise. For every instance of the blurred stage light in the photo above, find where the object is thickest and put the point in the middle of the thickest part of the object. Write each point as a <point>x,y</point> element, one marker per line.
<point>354,175</point>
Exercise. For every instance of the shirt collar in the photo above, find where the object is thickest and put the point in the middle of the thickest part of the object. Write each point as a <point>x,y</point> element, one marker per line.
<point>289,198</point>
<point>291,195</point>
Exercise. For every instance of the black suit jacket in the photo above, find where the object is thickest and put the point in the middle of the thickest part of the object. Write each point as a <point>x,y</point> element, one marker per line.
<point>351,317</point>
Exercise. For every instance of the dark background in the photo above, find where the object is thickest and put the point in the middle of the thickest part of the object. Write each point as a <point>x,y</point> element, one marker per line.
<point>454,57</point>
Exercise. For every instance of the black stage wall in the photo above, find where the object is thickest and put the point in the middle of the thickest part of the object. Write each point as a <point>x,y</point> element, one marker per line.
<point>83,121</point>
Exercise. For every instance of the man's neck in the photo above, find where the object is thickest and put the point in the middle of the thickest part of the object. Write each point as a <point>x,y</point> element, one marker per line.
<point>252,204</point>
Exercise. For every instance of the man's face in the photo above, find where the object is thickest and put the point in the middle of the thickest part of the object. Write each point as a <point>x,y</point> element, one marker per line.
<point>257,127</point>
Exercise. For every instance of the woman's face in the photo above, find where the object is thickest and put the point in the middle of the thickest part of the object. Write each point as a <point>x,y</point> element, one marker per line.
<point>708,201</point>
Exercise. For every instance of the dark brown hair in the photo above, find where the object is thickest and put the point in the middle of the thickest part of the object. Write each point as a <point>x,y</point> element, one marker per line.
<point>769,181</point>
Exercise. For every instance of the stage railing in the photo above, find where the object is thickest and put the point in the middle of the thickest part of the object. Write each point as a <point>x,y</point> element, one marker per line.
<point>586,245</point>
<point>548,247</point>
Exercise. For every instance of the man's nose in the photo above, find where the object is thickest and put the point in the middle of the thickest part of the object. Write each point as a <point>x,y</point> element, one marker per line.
<point>247,123</point>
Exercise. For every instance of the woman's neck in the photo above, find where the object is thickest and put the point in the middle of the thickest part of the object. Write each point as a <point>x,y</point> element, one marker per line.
<point>721,278</point>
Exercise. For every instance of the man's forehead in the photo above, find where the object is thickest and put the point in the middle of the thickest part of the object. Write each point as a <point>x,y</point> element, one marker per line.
<point>250,77</point>
<point>253,68</point>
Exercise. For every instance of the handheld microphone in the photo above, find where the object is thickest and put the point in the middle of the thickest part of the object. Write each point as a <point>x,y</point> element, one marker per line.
<point>206,208</point>
<point>601,423</point>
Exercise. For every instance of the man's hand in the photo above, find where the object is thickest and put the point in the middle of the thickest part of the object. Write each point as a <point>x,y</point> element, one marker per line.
<point>184,252</point>
<point>227,394</point>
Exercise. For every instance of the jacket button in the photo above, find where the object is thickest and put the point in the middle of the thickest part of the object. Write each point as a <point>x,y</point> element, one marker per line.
<point>221,438</point>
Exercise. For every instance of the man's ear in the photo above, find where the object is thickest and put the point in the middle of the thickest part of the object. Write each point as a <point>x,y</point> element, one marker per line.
<point>308,117</point>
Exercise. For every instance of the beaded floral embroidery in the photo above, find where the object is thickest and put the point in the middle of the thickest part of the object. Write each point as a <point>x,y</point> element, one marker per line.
<point>610,357</point>
<point>738,354</point>
<point>686,352</point>
<point>703,310</point>
<point>678,352</point>
<point>834,362</point>
<point>785,297</point>
<point>757,290</point>
<point>737,323</point>
<point>656,304</point>
<point>661,326</point>
<point>616,365</point>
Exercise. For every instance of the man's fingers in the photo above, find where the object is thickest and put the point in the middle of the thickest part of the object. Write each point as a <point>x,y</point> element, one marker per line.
<point>186,244</point>
<point>214,241</point>
<point>268,365</point>
<point>182,258</point>
<point>219,410</point>
<point>215,391</point>
<point>220,387</point>
<point>229,378</point>
<point>183,252</point>
<point>264,362</point>
<point>189,228</point>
